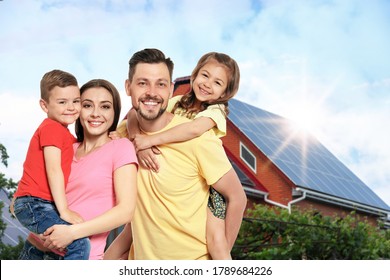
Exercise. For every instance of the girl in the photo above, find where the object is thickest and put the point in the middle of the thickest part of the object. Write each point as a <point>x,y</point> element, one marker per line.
<point>214,81</point>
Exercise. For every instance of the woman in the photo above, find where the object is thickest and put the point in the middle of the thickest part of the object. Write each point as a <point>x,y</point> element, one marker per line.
<point>102,184</point>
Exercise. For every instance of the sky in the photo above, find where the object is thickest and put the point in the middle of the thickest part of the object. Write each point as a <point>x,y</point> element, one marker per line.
<point>322,64</point>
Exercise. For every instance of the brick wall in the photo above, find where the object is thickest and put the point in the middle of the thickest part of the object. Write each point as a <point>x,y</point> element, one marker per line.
<point>277,184</point>
<point>334,210</point>
<point>267,174</point>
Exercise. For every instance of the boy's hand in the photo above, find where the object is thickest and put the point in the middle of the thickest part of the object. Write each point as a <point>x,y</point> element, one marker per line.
<point>11,207</point>
<point>71,216</point>
<point>148,160</point>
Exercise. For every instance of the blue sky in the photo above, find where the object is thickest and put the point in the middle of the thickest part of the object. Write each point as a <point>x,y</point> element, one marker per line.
<point>323,64</point>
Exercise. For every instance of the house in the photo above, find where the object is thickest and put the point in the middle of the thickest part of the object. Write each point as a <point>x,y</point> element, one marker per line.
<point>280,167</point>
<point>275,167</point>
<point>14,229</point>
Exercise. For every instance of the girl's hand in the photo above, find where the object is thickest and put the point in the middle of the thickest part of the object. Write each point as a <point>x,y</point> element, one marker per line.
<point>142,142</point>
<point>147,158</point>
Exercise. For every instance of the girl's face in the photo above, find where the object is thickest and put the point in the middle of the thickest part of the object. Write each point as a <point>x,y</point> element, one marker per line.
<point>211,82</point>
<point>97,111</point>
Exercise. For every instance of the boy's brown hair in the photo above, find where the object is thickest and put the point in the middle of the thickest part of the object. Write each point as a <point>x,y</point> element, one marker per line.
<point>56,78</point>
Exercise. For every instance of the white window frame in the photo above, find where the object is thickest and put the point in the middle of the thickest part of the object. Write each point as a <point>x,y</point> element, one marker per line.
<point>242,146</point>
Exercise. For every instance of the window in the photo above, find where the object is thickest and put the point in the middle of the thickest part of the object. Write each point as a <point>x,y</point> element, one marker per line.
<point>247,156</point>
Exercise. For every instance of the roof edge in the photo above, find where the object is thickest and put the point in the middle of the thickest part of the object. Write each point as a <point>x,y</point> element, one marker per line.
<point>345,203</point>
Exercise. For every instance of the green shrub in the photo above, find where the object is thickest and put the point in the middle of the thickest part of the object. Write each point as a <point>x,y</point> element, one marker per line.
<point>269,233</point>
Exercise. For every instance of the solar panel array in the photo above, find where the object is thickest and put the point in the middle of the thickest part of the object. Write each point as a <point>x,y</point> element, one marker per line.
<point>304,160</point>
<point>245,181</point>
<point>14,228</point>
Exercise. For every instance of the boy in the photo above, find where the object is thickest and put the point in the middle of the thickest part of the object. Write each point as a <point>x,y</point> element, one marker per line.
<point>39,201</point>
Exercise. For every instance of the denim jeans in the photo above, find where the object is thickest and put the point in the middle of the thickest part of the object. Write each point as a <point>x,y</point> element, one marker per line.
<point>37,215</point>
<point>30,252</point>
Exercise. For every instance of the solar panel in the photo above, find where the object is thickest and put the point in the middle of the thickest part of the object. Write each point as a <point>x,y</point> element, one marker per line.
<point>306,162</point>
<point>245,181</point>
<point>14,229</point>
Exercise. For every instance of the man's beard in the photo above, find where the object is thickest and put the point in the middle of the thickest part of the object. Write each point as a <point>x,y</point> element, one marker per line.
<point>150,116</point>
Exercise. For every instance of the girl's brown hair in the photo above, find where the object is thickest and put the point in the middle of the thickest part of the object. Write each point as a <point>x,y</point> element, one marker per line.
<point>188,100</point>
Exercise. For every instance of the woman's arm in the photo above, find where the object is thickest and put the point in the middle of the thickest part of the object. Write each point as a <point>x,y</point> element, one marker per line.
<point>120,247</point>
<point>179,133</point>
<point>125,185</point>
<point>56,181</point>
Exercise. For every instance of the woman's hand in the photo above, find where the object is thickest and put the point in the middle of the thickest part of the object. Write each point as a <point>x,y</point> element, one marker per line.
<point>114,135</point>
<point>57,237</point>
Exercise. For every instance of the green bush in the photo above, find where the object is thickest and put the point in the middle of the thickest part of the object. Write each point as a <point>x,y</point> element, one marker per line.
<point>7,252</point>
<point>270,233</point>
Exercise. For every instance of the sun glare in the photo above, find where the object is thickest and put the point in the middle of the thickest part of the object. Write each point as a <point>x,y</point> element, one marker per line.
<point>304,122</point>
<point>306,119</point>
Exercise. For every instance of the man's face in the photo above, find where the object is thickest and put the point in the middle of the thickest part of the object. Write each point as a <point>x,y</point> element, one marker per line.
<point>150,90</point>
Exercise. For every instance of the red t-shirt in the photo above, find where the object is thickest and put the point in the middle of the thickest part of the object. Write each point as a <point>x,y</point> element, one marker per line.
<point>34,180</point>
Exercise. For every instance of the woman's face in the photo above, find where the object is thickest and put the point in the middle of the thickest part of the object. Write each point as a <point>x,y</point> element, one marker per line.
<point>97,111</point>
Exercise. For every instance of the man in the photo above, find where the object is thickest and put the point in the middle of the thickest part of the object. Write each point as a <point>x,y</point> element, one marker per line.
<point>170,217</point>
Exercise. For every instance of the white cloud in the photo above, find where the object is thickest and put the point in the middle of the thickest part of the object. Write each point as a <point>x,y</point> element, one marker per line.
<point>330,54</point>
<point>19,117</point>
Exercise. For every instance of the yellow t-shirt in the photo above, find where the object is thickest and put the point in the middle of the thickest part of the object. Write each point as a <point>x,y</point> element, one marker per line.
<point>214,112</point>
<point>170,216</point>
<point>121,129</point>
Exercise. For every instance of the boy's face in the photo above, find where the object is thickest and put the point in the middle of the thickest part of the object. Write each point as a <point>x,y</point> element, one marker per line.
<point>64,104</point>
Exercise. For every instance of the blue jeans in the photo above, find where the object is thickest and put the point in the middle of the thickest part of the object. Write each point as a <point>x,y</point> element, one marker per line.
<point>37,215</point>
<point>30,252</point>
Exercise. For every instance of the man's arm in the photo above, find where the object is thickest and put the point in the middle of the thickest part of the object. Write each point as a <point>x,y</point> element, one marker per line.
<point>120,247</point>
<point>229,186</point>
